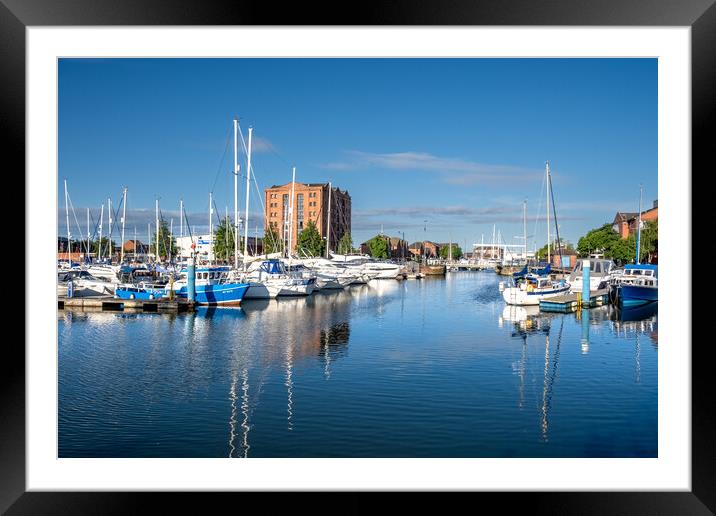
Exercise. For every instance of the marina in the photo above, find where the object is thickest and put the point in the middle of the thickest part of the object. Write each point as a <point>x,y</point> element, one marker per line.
<point>322,281</point>
<point>315,376</point>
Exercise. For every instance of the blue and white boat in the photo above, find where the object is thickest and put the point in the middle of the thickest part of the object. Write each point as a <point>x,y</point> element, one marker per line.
<point>212,287</point>
<point>638,285</point>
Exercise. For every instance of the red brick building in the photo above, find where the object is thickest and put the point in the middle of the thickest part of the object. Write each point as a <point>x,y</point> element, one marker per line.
<point>310,203</point>
<point>625,223</point>
<point>425,248</point>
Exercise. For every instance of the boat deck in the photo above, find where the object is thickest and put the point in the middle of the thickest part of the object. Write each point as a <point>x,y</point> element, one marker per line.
<point>570,302</point>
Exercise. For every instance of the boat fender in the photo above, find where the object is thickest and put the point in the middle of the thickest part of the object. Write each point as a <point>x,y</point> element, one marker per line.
<point>151,296</point>
<point>530,288</point>
<point>131,296</point>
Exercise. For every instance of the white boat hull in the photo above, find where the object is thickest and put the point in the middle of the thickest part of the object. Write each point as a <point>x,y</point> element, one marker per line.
<point>517,296</point>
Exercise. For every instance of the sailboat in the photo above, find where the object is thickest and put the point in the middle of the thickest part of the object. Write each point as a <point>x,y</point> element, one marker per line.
<point>638,284</point>
<point>529,288</point>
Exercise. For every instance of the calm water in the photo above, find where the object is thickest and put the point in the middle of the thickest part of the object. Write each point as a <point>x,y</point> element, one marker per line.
<point>427,368</point>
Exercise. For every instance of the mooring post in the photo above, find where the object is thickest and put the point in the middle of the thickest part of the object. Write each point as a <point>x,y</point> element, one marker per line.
<point>191,279</point>
<point>585,283</point>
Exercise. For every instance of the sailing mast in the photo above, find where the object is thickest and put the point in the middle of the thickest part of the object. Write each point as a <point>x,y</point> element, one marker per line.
<point>328,229</point>
<point>290,213</point>
<point>88,234</point>
<point>554,208</point>
<point>248,186</point>
<point>67,214</point>
<point>524,226</point>
<point>211,234</point>
<point>638,230</point>
<point>156,258</point>
<point>124,216</point>
<point>109,213</point>
<point>99,247</point>
<point>236,195</point>
<point>548,249</point>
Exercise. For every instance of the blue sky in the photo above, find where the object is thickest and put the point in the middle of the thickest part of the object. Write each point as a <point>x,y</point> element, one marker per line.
<point>459,143</point>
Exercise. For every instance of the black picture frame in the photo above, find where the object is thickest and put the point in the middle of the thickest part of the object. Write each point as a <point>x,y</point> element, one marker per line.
<point>700,15</point>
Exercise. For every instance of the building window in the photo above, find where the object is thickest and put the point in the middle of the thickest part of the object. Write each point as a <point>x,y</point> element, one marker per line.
<point>300,211</point>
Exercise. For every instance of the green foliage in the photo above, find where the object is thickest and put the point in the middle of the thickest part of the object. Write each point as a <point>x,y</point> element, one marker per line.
<point>94,245</point>
<point>456,252</point>
<point>309,241</point>
<point>272,241</point>
<point>605,240</point>
<point>600,240</point>
<point>345,244</point>
<point>378,247</point>
<point>224,240</point>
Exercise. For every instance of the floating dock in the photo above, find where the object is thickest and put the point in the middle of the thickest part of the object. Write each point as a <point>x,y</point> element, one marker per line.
<point>112,304</point>
<point>572,302</point>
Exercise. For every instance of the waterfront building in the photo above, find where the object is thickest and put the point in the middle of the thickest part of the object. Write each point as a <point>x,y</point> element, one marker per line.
<point>310,203</point>
<point>625,223</point>
<point>398,248</point>
<point>135,246</point>
<point>424,248</point>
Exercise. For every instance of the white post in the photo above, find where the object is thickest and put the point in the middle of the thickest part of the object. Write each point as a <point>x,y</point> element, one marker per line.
<point>236,195</point>
<point>171,234</point>
<point>149,239</point>
<point>248,185</point>
<point>124,216</point>
<point>328,229</point>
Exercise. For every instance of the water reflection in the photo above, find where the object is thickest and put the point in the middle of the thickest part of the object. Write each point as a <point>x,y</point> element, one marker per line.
<point>254,382</point>
<point>277,333</point>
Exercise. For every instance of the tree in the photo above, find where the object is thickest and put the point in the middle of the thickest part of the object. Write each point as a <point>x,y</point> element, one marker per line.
<point>378,247</point>
<point>94,245</point>
<point>649,240</point>
<point>167,244</point>
<point>345,244</point>
<point>224,240</point>
<point>309,241</point>
<point>601,239</point>
<point>456,252</point>
<point>272,242</point>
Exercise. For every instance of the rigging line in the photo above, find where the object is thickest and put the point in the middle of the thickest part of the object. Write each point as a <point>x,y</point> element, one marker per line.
<point>221,163</point>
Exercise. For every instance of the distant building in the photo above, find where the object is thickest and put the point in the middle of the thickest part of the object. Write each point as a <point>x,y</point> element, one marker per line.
<point>135,246</point>
<point>397,247</point>
<point>625,223</point>
<point>426,248</point>
<point>310,203</point>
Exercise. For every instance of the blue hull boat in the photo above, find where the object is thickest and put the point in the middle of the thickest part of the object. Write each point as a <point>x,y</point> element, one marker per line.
<point>224,294</point>
<point>636,295</point>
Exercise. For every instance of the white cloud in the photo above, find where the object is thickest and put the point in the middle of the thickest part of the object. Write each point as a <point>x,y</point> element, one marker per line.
<point>454,170</point>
